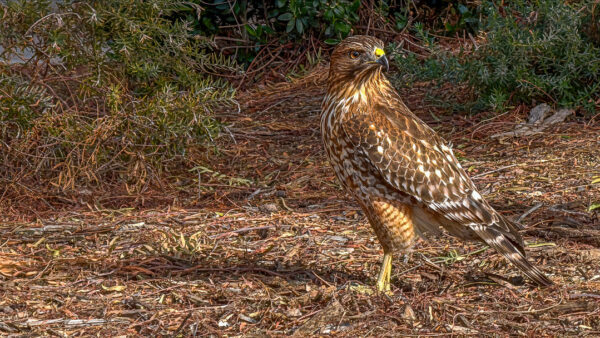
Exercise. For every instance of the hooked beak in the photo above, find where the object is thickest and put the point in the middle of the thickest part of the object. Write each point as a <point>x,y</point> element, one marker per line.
<point>383,61</point>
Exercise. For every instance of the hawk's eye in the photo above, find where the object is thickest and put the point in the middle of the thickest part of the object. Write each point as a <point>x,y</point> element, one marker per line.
<point>354,54</point>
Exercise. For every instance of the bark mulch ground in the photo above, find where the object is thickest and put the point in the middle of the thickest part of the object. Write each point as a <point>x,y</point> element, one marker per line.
<point>270,245</point>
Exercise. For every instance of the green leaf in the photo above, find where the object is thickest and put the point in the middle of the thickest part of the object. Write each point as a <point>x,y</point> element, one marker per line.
<point>594,206</point>
<point>342,27</point>
<point>299,27</point>
<point>208,23</point>
<point>285,17</point>
<point>290,25</point>
<point>251,31</point>
<point>332,41</point>
<point>462,9</point>
<point>273,13</point>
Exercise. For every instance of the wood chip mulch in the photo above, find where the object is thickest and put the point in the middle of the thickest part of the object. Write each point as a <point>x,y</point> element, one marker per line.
<point>270,245</point>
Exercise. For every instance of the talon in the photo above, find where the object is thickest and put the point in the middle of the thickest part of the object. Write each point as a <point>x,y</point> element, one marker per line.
<point>385,272</point>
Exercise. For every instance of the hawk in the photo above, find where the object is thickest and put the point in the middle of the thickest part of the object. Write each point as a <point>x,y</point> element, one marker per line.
<point>402,173</point>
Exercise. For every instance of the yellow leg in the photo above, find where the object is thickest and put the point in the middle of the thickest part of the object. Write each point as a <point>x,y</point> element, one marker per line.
<point>385,272</point>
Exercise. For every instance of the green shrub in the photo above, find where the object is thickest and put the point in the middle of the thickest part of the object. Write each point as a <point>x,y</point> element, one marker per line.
<point>114,92</point>
<point>446,17</point>
<point>20,103</point>
<point>531,52</point>
<point>253,24</point>
<point>294,18</point>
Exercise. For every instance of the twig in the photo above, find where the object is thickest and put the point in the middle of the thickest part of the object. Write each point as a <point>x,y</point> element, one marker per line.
<point>529,212</point>
<point>583,295</point>
<point>238,231</point>
<point>495,170</point>
<point>182,324</point>
<point>556,208</point>
<point>540,89</point>
<point>72,322</point>
<point>58,15</point>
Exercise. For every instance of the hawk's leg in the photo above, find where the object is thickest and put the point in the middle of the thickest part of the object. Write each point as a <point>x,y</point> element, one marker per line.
<point>392,222</point>
<point>385,273</point>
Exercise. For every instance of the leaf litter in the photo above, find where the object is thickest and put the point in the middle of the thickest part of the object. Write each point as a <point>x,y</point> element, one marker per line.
<point>289,253</point>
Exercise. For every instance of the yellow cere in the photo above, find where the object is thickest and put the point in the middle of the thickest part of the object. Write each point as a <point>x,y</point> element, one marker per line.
<point>379,52</point>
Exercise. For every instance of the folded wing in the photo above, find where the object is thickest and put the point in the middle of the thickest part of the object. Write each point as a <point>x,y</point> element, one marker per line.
<point>413,159</point>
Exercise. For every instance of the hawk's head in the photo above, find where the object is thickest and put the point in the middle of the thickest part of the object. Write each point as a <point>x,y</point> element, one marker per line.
<point>356,55</point>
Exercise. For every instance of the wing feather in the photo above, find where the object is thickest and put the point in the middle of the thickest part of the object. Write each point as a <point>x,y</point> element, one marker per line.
<point>413,159</point>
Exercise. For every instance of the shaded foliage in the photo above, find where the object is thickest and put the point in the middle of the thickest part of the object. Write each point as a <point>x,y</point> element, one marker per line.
<point>544,51</point>
<point>103,92</point>
<point>118,93</point>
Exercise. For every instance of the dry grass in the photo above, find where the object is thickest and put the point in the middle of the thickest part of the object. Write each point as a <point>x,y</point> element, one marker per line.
<point>272,246</point>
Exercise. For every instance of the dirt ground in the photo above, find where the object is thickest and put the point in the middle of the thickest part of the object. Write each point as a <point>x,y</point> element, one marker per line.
<point>272,246</point>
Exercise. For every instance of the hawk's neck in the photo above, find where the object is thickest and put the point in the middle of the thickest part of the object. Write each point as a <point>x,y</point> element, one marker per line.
<point>362,89</point>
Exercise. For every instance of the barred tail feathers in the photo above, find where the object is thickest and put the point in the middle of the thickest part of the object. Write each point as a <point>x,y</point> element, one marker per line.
<point>511,230</point>
<point>512,250</point>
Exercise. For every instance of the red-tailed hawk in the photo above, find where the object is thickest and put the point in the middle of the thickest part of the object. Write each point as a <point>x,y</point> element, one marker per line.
<point>404,176</point>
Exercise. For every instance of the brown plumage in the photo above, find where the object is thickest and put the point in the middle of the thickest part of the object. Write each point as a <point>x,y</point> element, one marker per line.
<point>404,176</point>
